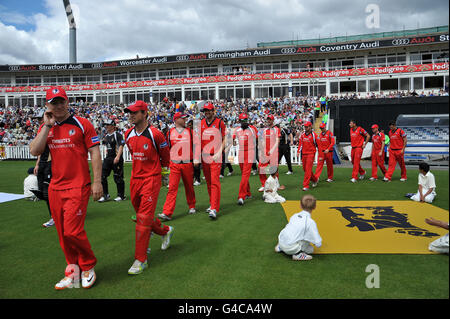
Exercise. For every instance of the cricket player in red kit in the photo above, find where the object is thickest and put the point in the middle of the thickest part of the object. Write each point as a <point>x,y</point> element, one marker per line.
<point>397,147</point>
<point>149,152</point>
<point>308,144</point>
<point>326,144</point>
<point>180,143</point>
<point>211,138</point>
<point>359,138</point>
<point>378,140</point>
<point>70,139</point>
<point>247,139</point>
<point>268,148</point>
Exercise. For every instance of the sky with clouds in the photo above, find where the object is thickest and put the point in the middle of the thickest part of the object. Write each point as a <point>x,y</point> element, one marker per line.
<point>36,31</point>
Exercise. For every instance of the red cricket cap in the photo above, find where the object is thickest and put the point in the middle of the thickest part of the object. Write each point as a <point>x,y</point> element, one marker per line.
<point>270,117</point>
<point>243,116</point>
<point>137,106</point>
<point>374,126</point>
<point>308,123</point>
<point>55,92</point>
<point>179,115</point>
<point>322,125</point>
<point>208,106</point>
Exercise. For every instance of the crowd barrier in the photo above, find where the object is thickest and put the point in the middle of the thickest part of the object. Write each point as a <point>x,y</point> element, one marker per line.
<point>23,153</point>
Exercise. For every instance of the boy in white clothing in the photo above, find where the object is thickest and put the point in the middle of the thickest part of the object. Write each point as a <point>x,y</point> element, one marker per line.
<point>270,190</point>
<point>301,231</point>
<point>427,185</point>
<point>30,183</point>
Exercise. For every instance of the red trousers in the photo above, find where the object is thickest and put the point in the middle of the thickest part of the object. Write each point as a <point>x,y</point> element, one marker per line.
<point>356,161</point>
<point>244,186</point>
<point>328,157</point>
<point>396,156</point>
<point>307,163</point>
<point>377,160</point>
<point>212,177</point>
<point>68,208</point>
<point>186,173</point>
<point>144,197</point>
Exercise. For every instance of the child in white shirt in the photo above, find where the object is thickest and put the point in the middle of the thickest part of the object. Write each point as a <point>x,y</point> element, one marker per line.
<point>301,231</point>
<point>30,183</point>
<point>270,190</point>
<point>427,185</point>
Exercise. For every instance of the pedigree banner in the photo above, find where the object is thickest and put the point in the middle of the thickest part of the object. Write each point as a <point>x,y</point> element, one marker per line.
<point>240,78</point>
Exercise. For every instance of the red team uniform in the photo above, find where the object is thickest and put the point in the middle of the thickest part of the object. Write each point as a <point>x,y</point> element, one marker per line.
<point>150,152</point>
<point>395,153</point>
<point>247,155</point>
<point>181,167</point>
<point>70,187</point>
<point>211,137</point>
<point>307,146</point>
<point>377,160</point>
<point>357,137</point>
<point>326,142</point>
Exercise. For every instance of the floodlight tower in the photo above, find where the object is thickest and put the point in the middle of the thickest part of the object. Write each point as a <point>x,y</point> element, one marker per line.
<point>72,32</point>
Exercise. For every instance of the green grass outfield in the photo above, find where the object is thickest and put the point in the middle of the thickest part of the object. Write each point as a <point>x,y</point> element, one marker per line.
<point>231,257</point>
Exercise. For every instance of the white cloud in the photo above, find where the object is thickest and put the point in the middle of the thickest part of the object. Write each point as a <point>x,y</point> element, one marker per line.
<point>114,29</point>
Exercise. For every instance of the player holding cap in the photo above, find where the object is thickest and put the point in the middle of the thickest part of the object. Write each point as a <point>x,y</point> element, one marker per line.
<point>70,139</point>
<point>359,138</point>
<point>326,144</point>
<point>211,137</point>
<point>396,152</point>
<point>308,144</point>
<point>247,139</point>
<point>180,143</point>
<point>149,152</point>
<point>378,141</point>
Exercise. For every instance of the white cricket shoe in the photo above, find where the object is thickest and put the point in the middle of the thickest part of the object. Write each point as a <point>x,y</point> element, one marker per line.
<point>240,201</point>
<point>289,173</point>
<point>88,278</point>
<point>305,189</point>
<point>192,211</point>
<point>50,223</point>
<point>119,199</point>
<point>220,176</point>
<point>301,256</point>
<point>212,214</point>
<point>208,209</point>
<point>330,180</point>
<point>104,198</point>
<point>254,173</point>
<point>137,267</point>
<point>386,179</point>
<point>402,179</point>
<point>362,177</point>
<point>166,238</point>
<point>164,217</point>
<point>196,183</point>
<point>373,179</point>
<point>353,180</point>
<point>314,184</point>
<point>66,282</point>
<point>261,189</point>
<point>230,173</point>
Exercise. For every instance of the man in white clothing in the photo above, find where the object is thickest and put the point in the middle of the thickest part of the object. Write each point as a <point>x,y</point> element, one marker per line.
<point>427,185</point>
<point>301,231</point>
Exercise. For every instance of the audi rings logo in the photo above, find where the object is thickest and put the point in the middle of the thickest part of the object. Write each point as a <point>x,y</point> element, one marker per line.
<point>400,41</point>
<point>97,65</point>
<point>182,57</point>
<point>14,68</point>
<point>288,50</point>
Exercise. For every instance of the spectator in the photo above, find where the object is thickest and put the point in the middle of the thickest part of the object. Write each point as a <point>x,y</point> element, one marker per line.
<point>427,185</point>
<point>440,245</point>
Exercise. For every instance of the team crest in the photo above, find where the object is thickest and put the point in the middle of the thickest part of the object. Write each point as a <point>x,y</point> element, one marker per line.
<point>71,132</point>
<point>55,91</point>
<point>145,146</point>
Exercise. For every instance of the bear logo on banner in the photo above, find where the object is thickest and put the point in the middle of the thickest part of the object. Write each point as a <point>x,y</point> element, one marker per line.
<point>381,217</point>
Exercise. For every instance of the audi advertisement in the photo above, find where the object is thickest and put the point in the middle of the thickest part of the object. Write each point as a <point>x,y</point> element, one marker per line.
<point>328,48</point>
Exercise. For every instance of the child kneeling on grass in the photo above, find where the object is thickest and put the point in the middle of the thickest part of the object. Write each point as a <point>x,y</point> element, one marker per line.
<point>270,190</point>
<point>301,231</point>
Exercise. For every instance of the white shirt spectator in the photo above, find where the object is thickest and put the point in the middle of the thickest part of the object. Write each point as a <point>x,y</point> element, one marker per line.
<point>428,182</point>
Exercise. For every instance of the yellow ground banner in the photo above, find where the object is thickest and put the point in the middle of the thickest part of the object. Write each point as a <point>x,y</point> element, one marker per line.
<point>373,227</point>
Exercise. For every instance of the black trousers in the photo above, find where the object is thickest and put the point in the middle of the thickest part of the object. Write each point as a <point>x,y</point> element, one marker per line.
<point>227,164</point>
<point>44,175</point>
<point>285,150</point>
<point>108,166</point>
<point>197,172</point>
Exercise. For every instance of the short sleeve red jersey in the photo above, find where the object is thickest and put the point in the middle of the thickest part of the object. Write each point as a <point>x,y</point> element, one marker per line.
<point>357,136</point>
<point>326,141</point>
<point>377,141</point>
<point>212,134</point>
<point>396,139</point>
<point>180,144</point>
<point>270,136</point>
<point>69,142</point>
<point>308,143</point>
<point>149,151</point>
